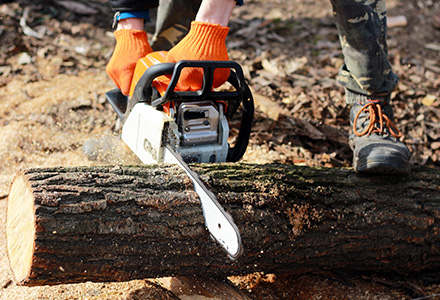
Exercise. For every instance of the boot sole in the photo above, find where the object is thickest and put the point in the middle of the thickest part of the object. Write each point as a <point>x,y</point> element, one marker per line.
<point>382,165</point>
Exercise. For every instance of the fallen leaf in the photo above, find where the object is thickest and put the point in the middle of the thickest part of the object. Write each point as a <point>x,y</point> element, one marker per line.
<point>309,130</point>
<point>428,100</point>
<point>435,145</point>
<point>270,67</point>
<point>432,46</point>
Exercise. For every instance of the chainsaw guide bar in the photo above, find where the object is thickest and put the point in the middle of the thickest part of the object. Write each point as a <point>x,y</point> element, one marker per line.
<point>219,223</point>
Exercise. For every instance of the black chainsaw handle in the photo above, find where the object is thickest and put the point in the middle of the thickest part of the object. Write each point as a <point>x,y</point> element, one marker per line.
<point>143,89</point>
<point>236,153</point>
<point>206,92</point>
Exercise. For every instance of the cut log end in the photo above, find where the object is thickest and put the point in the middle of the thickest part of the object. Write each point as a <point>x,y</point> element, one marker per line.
<point>20,228</point>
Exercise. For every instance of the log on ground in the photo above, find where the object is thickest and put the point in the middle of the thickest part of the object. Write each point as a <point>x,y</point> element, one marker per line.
<point>78,224</point>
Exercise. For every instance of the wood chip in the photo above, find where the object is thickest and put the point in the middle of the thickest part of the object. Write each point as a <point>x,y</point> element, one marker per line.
<point>397,21</point>
<point>432,46</point>
<point>428,100</point>
<point>78,7</point>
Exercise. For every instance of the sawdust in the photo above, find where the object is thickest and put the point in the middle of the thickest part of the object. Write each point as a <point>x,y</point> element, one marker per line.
<point>301,218</point>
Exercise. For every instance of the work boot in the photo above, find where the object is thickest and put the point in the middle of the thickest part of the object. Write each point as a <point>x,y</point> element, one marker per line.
<point>375,140</point>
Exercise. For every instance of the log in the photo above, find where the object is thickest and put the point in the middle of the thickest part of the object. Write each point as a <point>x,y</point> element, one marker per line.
<point>78,224</point>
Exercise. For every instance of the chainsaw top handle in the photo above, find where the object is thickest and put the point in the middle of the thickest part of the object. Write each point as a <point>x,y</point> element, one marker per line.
<point>143,92</point>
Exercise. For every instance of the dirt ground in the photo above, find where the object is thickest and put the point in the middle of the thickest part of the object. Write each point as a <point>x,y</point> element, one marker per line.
<point>52,85</point>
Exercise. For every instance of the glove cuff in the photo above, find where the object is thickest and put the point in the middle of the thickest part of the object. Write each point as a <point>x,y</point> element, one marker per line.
<point>133,42</point>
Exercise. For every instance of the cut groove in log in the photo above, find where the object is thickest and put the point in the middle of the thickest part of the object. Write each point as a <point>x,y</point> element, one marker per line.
<point>20,228</point>
<point>123,223</point>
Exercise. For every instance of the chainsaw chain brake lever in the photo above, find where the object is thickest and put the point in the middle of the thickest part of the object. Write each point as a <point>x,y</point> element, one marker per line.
<point>143,89</point>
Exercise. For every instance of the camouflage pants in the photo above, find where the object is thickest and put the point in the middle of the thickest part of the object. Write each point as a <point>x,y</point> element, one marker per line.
<point>362,29</point>
<point>362,32</point>
<point>173,21</point>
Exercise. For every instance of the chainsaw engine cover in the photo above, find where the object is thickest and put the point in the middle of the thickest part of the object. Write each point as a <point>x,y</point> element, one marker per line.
<point>198,122</point>
<point>147,130</point>
<point>143,132</point>
<point>204,133</point>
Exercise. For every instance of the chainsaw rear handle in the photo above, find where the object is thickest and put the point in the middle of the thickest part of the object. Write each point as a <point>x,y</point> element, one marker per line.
<point>143,92</point>
<point>236,153</point>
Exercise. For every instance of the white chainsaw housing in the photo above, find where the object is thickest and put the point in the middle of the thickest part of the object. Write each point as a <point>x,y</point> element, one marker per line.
<point>147,129</point>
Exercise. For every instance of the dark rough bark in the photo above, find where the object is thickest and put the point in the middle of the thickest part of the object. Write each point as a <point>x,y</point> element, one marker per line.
<point>121,223</point>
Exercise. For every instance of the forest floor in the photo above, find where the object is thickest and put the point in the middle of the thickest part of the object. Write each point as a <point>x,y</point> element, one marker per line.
<point>52,84</point>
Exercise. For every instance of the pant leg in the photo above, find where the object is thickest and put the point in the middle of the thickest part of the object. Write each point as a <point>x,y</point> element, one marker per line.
<point>367,73</point>
<point>173,22</point>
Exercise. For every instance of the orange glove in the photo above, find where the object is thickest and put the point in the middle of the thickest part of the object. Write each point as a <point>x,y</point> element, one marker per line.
<point>131,45</point>
<point>204,41</point>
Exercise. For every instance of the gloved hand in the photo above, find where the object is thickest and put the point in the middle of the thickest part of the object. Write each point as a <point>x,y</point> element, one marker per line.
<point>131,45</point>
<point>204,41</point>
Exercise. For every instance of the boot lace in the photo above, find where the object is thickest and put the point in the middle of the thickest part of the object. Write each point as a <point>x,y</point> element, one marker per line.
<point>377,120</point>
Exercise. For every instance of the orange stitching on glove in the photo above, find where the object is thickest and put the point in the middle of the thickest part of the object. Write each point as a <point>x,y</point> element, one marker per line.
<point>131,45</point>
<point>204,41</point>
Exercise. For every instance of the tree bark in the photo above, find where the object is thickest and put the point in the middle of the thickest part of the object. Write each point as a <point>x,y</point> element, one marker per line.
<point>69,225</point>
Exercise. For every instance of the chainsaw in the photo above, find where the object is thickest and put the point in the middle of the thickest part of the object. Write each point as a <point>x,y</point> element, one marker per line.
<point>164,125</point>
